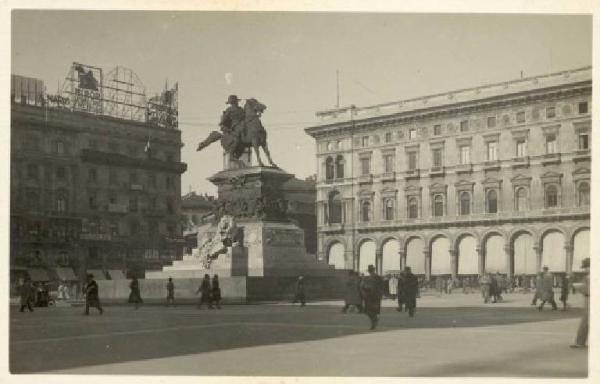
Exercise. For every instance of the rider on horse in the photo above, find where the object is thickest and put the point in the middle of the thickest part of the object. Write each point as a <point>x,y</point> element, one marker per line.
<point>232,121</point>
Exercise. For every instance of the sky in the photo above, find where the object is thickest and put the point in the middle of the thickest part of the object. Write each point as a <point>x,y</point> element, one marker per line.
<point>288,61</point>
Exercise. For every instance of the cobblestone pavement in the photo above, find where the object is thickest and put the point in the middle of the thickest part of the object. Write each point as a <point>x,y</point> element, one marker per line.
<point>455,335</point>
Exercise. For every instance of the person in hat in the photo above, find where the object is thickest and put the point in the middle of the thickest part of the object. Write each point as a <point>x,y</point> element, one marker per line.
<point>134,296</point>
<point>216,291</point>
<point>26,293</point>
<point>372,292</point>
<point>232,120</point>
<point>92,298</point>
<point>547,290</point>
<point>410,290</point>
<point>170,292</point>
<point>205,292</point>
<point>584,288</point>
<point>300,294</point>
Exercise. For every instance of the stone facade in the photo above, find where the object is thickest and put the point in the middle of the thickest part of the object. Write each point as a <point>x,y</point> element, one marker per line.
<point>87,192</point>
<point>493,178</point>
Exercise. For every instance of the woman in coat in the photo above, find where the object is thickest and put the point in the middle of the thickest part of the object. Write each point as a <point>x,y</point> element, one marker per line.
<point>134,295</point>
<point>216,291</point>
<point>204,291</point>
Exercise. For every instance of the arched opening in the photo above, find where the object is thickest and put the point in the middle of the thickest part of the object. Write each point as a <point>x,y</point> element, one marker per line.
<point>553,251</point>
<point>366,255</point>
<point>440,257</point>
<point>494,257</point>
<point>335,256</point>
<point>581,248</point>
<point>415,257</point>
<point>524,257</point>
<point>468,259</point>
<point>390,261</point>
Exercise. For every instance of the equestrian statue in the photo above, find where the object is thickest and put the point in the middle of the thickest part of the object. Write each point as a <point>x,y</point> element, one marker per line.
<point>241,129</point>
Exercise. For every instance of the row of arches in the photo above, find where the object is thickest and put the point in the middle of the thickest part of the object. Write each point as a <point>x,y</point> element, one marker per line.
<point>435,258</point>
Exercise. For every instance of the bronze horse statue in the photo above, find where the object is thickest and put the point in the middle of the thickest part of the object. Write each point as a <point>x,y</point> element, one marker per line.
<point>250,134</point>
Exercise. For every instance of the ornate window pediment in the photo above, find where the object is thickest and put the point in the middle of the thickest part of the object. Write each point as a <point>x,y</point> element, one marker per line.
<point>365,194</point>
<point>491,137</point>
<point>521,180</point>
<point>437,144</point>
<point>551,129</point>
<point>437,188</point>
<point>388,192</point>
<point>464,185</point>
<point>581,174</point>
<point>491,182</point>
<point>520,134</point>
<point>412,190</point>
<point>551,177</point>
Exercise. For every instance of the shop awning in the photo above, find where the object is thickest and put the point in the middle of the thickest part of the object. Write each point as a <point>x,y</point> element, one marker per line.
<point>98,274</point>
<point>66,274</point>
<point>36,274</point>
<point>116,274</point>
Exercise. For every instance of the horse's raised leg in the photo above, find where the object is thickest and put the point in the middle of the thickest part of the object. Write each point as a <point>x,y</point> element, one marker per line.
<point>266,149</point>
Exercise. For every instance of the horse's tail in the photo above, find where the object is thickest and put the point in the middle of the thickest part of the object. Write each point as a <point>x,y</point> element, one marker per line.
<point>214,136</point>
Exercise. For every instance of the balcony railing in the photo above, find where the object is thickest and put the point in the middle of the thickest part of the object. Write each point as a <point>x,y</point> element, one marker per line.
<point>464,168</point>
<point>365,179</point>
<point>388,176</point>
<point>436,171</point>
<point>412,174</point>
<point>520,162</point>
<point>551,158</point>
<point>582,155</point>
<point>491,165</point>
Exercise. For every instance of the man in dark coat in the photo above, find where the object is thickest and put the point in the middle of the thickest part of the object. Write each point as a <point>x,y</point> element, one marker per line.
<point>300,294</point>
<point>400,290</point>
<point>372,292</point>
<point>26,293</point>
<point>547,290</point>
<point>410,290</point>
<point>170,292</point>
<point>92,298</point>
<point>134,296</point>
<point>216,291</point>
<point>204,291</point>
<point>564,291</point>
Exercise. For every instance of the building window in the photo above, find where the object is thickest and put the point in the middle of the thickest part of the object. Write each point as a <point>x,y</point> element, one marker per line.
<point>521,199</point>
<point>521,148</point>
<point>61,204</point>
<point>112,176</point>
<point>550,112</point>
<point>365,211</point>
<point>465,203</point>
<point>335,208</point>
<point>365,141</point>
<point>33,171</point>
<point>492,201</point>
<point>389,209</point>
<point>582,107</point>
<point>491,122</point>
<point>60,147</point>
<point>92,175</point>
<point>551,146</point>
<point>465,154</point>
<point>93,201</point>
<point>584,195</point>
<point>133,204</point>
<point>61,173</point>
<point>388,161</point>
<point>438,205</point>
<point>551,194</point>
<point>492,151</point>
<point>388,137</point>
<point>437,130</point>
<point>339,145</point>
<point>436,154</point>
<point>464,125</point>
<point>329,169</point>
<point>412,133</point>
<point>113,228</point>
<point>412,161</point>
<point>339,167</point>
<point>413,208</point>
<point>329,146</point>
<point>584,141</point>
<point>521,117</point>
<point>365,166</point>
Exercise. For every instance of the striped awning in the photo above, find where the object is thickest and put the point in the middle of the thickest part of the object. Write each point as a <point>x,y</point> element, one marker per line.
<point>37,274</point>
<point>66,274</point>
<point>116,274</point>
<point>98,274</point>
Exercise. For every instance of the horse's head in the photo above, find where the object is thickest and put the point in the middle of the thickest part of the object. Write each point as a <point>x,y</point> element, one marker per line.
<point>253,105</point>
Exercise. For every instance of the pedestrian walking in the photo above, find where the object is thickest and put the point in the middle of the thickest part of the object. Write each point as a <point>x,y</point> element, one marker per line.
<point>439,285</point>
<point>393,286</point>
<point>92,295</point>
<point>539,288</point>
<point>300,294</point>
<point>401,295</point>
<point>500,287</point>
<point>204,291</point>
<point>485,283</point>
<point>584,288</point>
<point>352,295</point>
<point>170,292</point>
<point>410,291</point>
<point>547,290</point>
<point>564,291</point>
<point>372,291</point>
<point>26,295</point>
<point>216,292</point>
<point>134,295</point>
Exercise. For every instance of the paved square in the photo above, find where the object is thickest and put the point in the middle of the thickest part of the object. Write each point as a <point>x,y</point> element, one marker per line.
<point>453,335</point>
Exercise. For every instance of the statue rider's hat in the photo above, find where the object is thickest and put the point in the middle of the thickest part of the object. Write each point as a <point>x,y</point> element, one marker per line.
<point>232,99</point>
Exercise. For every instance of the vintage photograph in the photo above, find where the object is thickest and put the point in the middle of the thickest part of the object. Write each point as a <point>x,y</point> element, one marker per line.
<point>307,194</point>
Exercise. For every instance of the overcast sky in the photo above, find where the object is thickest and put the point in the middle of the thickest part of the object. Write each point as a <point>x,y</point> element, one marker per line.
<point>288,61</point>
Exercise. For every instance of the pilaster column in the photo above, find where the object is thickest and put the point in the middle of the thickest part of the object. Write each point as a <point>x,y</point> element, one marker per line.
<point>509,266</point>
<point>402,256</point>
<point>427,255</point>
<point>379,261</point>
<point>480,261</point>
<point>453,263</point>
<point>538,258</point>
<point>569,261</point>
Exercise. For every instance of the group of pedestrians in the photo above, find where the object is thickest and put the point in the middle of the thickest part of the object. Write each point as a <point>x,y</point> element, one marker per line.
<point>210,292</point>
<point>492,287</point>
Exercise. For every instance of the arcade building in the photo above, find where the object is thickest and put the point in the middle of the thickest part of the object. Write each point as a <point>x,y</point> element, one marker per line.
<point>494,178</point>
